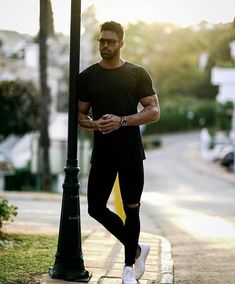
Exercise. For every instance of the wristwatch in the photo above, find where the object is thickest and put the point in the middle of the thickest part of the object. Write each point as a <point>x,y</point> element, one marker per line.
<point>123,121</point>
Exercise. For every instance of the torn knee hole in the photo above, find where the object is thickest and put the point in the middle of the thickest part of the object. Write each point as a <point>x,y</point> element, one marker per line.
<point>132,209</point>
<point>132,205</point>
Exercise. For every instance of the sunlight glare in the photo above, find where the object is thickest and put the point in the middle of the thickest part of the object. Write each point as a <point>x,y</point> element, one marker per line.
<point>191,220</point>
<point>179,12</point>
<point>183,12</point>
<point>208,226</point>
<point>155,198</point>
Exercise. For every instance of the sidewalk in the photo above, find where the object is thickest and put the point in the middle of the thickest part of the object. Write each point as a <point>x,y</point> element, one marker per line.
<point>103,254</point>
<point>103,258</point>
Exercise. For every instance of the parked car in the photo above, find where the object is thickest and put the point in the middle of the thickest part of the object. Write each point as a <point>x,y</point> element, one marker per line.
<point>227,158</point>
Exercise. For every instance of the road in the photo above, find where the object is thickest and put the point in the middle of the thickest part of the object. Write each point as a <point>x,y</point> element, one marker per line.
<point>189,202</point>
<point>194,208</point>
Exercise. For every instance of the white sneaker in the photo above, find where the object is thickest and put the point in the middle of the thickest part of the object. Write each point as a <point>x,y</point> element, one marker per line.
<point>141,260</point>
<point>128,275</point>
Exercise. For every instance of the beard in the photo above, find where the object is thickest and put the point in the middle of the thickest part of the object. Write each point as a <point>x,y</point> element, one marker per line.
<point>108,54</point>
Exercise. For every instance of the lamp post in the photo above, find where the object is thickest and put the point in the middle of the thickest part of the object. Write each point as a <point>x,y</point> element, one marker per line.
<point>69,263</point>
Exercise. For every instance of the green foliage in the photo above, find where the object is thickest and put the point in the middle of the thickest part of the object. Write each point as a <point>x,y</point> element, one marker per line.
<point>6,211</point>
<point>190,115</point>
<point>21,180</point>
<point>171,54</point>
<point>224,116</point>
<point>25,258</point>
<point>151,142</point>
<point>219,44</point>
<point>19,107</point>
<point>183,115</point>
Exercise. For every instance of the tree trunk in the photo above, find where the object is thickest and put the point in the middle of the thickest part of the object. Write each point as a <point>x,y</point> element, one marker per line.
<point>44,140</point>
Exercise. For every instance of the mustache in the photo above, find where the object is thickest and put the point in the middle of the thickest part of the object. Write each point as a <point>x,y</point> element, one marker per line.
<point>105,50</point>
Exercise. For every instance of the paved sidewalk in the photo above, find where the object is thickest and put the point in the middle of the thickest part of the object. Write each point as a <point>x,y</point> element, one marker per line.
<point>103,258</point>
<point>103,254</point>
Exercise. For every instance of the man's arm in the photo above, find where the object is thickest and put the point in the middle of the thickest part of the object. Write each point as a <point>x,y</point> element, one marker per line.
<point>84,120</point>
<point>149,113</point>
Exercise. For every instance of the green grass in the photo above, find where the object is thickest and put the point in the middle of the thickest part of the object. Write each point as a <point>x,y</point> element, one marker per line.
<point>24,258</point>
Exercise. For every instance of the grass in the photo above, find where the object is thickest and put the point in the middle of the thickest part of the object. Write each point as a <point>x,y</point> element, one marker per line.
<point>24,258</point>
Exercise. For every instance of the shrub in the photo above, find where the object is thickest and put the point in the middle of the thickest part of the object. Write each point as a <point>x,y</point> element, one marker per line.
<point>21,180</point>
<point>19,107</point>
<point>224,115</point>
<point>176,117</point>
<point>6,211</point>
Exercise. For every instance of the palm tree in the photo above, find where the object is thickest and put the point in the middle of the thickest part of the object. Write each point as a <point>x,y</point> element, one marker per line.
<point>46,28</point>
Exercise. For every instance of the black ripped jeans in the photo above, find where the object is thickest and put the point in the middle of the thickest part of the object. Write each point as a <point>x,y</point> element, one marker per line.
<point>100,184</point>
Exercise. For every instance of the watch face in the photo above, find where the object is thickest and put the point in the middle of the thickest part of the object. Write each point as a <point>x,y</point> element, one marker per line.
<point>123,121</point>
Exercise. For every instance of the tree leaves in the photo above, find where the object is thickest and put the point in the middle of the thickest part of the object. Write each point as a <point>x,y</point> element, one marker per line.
<point>19,107</point>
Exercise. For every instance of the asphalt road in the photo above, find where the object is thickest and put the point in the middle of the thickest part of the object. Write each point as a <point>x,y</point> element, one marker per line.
<point>192,204</point>
<point>188,201</point>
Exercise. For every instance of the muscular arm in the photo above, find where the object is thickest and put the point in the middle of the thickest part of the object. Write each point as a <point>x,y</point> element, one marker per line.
<point>84,120</point>
<point>109,122</point>
<point>149,113</point>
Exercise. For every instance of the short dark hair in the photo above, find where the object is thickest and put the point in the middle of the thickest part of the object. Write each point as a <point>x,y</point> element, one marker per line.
<point>113,26</point>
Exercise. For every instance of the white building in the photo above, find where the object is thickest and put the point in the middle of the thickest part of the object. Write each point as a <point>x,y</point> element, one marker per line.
<point>225,79</point>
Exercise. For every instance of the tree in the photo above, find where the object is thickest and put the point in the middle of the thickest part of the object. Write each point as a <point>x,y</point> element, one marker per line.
<point>50,19</point>
<point>19,107</point>
<point>171,54</point>
<point>44,141</point>
<point>88,52</point>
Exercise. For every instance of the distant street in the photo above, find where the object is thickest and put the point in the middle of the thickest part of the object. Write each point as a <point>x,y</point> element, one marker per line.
<point>188,201</point>
<point>194,209</point>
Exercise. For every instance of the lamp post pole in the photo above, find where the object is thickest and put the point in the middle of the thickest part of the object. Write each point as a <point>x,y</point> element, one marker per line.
<point>69,263</point>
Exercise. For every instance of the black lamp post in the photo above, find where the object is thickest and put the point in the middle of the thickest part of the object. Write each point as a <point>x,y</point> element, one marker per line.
<point>69,263</point>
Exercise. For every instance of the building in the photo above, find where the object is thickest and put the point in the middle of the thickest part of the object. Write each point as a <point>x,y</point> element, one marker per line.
<point>225,79</point>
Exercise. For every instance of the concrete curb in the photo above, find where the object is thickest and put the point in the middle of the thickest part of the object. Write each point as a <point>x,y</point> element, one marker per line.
<point>166,266</point>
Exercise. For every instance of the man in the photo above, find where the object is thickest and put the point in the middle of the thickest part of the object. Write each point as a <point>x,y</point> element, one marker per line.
<point>110,91</point>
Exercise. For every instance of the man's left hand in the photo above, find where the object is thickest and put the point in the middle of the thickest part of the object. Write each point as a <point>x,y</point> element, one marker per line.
<point>109,123</point>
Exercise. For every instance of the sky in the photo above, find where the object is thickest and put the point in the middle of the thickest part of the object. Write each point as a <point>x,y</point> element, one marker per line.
<point>23,15</point>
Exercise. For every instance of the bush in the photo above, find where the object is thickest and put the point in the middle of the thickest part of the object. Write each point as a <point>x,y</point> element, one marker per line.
<point>22,180</point>
<point>19,107</point>
<point>224,116</point>
<point>6,211</point>
<point>151,142</point>
<point>183,117</point>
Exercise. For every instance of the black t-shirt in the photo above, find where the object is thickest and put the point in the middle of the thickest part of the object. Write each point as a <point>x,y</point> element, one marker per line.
<point>115,91</point>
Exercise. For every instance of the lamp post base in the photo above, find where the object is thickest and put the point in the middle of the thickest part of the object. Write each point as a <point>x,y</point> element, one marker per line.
<point>69,272</point>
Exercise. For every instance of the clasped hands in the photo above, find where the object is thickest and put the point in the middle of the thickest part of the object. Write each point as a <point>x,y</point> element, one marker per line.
<point>108,123</point>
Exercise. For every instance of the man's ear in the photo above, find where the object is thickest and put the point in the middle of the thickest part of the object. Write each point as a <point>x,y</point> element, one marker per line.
<point>121,43</point>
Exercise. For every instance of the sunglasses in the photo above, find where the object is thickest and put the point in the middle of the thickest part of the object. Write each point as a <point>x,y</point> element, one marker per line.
<point>110,42</point>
